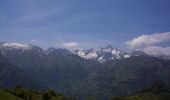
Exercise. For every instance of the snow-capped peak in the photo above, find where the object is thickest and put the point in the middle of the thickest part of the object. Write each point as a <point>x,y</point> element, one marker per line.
<point>15,45</point>
<point>102,54</point>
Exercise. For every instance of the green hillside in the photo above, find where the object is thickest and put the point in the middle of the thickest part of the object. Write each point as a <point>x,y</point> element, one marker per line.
<point>7,96</point>
<point>158,91</point>
<point>20,93</point>
<point>145,96</point>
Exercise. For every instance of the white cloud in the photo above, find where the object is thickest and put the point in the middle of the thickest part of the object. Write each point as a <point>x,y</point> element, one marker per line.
<point>149,44</point>
<point>157,51</point>
<point>71,45</point>
<point>147,40</point>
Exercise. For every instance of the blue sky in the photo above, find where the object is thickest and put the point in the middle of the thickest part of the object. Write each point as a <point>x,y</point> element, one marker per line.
<point>88,23</point>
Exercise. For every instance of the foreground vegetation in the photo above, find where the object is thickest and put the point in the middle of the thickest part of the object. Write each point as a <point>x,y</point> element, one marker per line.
<point>20,93</point>
<point>157,91</point>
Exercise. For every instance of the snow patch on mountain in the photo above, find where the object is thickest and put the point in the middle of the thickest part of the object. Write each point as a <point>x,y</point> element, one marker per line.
<point>15,46</point>
<point>102,54</point>
<point>7,49</point>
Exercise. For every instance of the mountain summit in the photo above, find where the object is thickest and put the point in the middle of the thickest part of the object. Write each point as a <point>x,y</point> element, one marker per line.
<point>102,54</point>
<point>15,46</point>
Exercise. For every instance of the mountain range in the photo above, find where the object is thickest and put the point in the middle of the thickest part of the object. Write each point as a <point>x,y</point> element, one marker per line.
<point>101,55</point>
<point>101,73</point>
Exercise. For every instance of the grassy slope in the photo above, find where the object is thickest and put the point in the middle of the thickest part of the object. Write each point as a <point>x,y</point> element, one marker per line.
<point>20,93</point>
<point>145,96</point>
<point>158,91</point>
<point>7,96</point>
